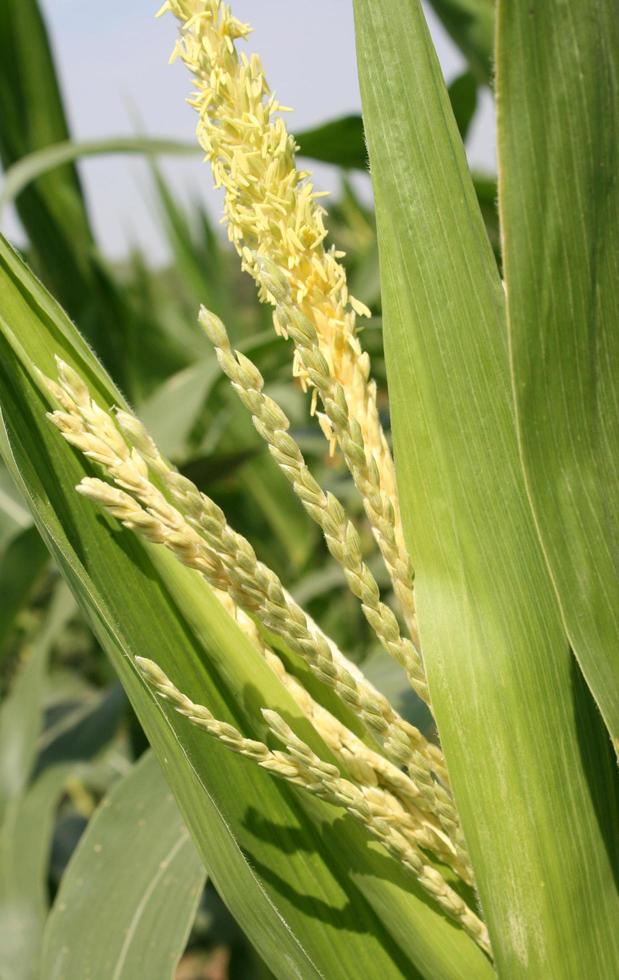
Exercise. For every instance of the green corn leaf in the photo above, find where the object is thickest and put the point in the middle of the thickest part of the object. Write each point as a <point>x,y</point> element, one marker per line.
<point>530,765</point>
<point>471,25</point>
<point>130,892</point>
<point>559,203</point>
<point>313,894</point>
<point>25,841</point>
<point>463,97</point>
<point>340,141</point>
<point>32,166</point>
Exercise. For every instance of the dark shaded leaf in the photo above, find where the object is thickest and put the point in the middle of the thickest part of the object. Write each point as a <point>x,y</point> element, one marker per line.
<point>21,564</point>
<point>79,730</point>
<point>463,97</point>
<point>339,141</point>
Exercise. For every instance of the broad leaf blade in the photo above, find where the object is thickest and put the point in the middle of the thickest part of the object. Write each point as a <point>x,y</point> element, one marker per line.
<point>559,200</point>
<point>313,894</point>
<point>130,892</point>
<point>530,768</point>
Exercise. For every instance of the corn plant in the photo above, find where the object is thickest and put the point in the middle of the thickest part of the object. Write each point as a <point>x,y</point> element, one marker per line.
<point>342,837</point>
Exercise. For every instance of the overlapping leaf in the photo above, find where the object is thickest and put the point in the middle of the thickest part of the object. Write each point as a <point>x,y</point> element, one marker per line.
<point>529,762</point>
<point>559,199</point>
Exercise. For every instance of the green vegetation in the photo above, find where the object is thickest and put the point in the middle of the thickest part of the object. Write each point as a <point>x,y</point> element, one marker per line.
<point>380,697</point>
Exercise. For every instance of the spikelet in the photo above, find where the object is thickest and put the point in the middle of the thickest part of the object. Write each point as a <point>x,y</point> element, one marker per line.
<point>340,534</point>
<point>361,762</point>
<point>368,767</point>
<point>341,538</point>
<point>376,810</point>
<point>346,431</point>
<point>275,222</point>
<point>195,529</point>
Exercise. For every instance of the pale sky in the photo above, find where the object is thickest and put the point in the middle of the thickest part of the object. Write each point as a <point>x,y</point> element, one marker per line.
<point>113,62</point>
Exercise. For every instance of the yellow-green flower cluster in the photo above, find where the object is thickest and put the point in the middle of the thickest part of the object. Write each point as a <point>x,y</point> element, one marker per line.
<point>271,208</point>
<point>378,811</point>
<point>149,497</point>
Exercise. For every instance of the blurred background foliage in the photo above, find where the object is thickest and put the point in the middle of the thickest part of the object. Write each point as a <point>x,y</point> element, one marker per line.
<point>69,740</point>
